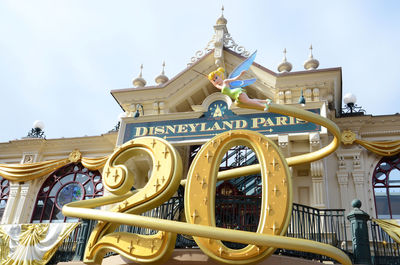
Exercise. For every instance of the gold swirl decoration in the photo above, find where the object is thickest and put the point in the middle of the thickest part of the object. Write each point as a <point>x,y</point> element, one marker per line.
<point>383,148</point>
<point>391,227</point>
<point>31,171</point>
<point>199,199</point>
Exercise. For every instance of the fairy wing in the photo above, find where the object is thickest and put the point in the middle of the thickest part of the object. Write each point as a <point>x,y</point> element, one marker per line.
<point>244,66</point>
<point>242,83</point>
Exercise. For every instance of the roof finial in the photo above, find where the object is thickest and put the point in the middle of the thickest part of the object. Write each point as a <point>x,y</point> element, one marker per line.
<point>284,55</point>
<point>311,63</point>
<point>162,78</point>
<point>284,66</point>
<point>141,70</point>
<point>163,67</point>
<point>139,81</point>
<point>222,20</point>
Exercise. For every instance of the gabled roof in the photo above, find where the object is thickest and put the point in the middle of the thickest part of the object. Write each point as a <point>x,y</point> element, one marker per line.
<point>190,88</point>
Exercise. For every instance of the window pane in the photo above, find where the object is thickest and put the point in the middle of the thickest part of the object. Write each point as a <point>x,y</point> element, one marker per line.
<point>66,179</point>
<point>48,207</point>
<point>66,183</point>
<point>394,194</point>
<point>385,166</point>
<point>382,203</point>
<point>89,188</point>
<point>380,176</point>
<point>55,188</point>
<point>394,177</point>
<point>81,178</point>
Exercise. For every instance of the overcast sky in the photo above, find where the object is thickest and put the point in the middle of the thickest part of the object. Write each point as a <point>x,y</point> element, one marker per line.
<point>60,59</point>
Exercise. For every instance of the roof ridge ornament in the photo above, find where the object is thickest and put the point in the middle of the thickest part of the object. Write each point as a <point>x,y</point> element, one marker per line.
<point>311,63</point>
<point>162,78</point>
<point>139,81</point>
<point>284,66</point>
<point>220,40</point>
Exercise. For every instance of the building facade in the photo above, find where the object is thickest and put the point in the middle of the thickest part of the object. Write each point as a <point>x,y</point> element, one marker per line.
<point>187,111</point>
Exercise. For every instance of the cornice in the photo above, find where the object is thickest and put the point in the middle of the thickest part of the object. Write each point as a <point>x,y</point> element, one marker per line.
<point>165,117</point>
<point>348,152</point>
<point>375,133</point>
<point>101,143</point>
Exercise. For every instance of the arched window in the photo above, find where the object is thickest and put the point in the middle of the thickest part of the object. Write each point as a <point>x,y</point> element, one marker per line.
<point>386,184</point>
<point>72,182</point>
<point>4,192</point>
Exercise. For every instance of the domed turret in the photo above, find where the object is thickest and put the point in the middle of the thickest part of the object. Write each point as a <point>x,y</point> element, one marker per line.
<point>222,20</point>
<point>284,66</point>
<point>162,78</point>
<point>139,81</point>
<point>311,63</point>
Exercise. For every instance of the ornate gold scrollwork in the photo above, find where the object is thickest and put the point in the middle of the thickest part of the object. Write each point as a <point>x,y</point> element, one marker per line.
<point>199,199</point>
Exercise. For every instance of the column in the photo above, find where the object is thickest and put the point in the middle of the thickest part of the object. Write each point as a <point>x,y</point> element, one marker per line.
<point>318,187</point>
<point>343,179</point>
<point>317,174</point>
<point>358,178</point>
<point>12,203</point>
<point>26,202</point>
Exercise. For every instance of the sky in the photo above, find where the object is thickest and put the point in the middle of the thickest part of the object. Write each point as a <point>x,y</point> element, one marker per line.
<point>59,59</point>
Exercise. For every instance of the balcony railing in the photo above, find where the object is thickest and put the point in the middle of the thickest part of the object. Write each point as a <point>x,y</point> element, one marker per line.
<point>326,226</point>
<point>322,225</point>
<point>385,249</point>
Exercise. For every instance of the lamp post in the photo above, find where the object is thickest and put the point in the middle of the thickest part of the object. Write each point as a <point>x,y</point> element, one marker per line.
<point>37,130</point>
<point>350,100</point>
<point>351,108</point>
<point>118,125</point>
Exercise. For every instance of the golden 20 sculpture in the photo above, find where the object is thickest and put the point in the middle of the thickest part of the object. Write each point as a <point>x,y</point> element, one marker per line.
<point>200,186</point>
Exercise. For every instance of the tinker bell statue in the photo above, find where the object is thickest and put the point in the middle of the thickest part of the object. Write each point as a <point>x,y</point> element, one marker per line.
<point>232,86</point>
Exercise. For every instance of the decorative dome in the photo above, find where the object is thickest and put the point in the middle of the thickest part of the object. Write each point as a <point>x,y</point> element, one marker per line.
<point>311,63</point>
<point>284,66</point>
<point>139,81</point>
<point>222,20</point>
<point>162,78</point>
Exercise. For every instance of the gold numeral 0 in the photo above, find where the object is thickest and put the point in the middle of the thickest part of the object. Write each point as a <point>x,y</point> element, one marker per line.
<point>276,193</point>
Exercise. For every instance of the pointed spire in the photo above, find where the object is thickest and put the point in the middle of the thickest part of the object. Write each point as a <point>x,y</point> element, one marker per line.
<point>139,81</point>
<point>311,63</point>
<point>284,55</point>
<point>163,67</point>
<point>284,66</point>
<point>311,55</point>
<point>141,70</point>
<point>162,78</point>
<point>222,20</point>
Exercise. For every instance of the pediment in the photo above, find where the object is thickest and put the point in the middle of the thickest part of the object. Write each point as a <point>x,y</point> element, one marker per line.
<point>190,88</point>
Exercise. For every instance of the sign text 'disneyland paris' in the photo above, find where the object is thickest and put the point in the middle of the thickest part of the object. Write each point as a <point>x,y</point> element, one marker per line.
<point>257,123</point>
<point>218,118</point>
